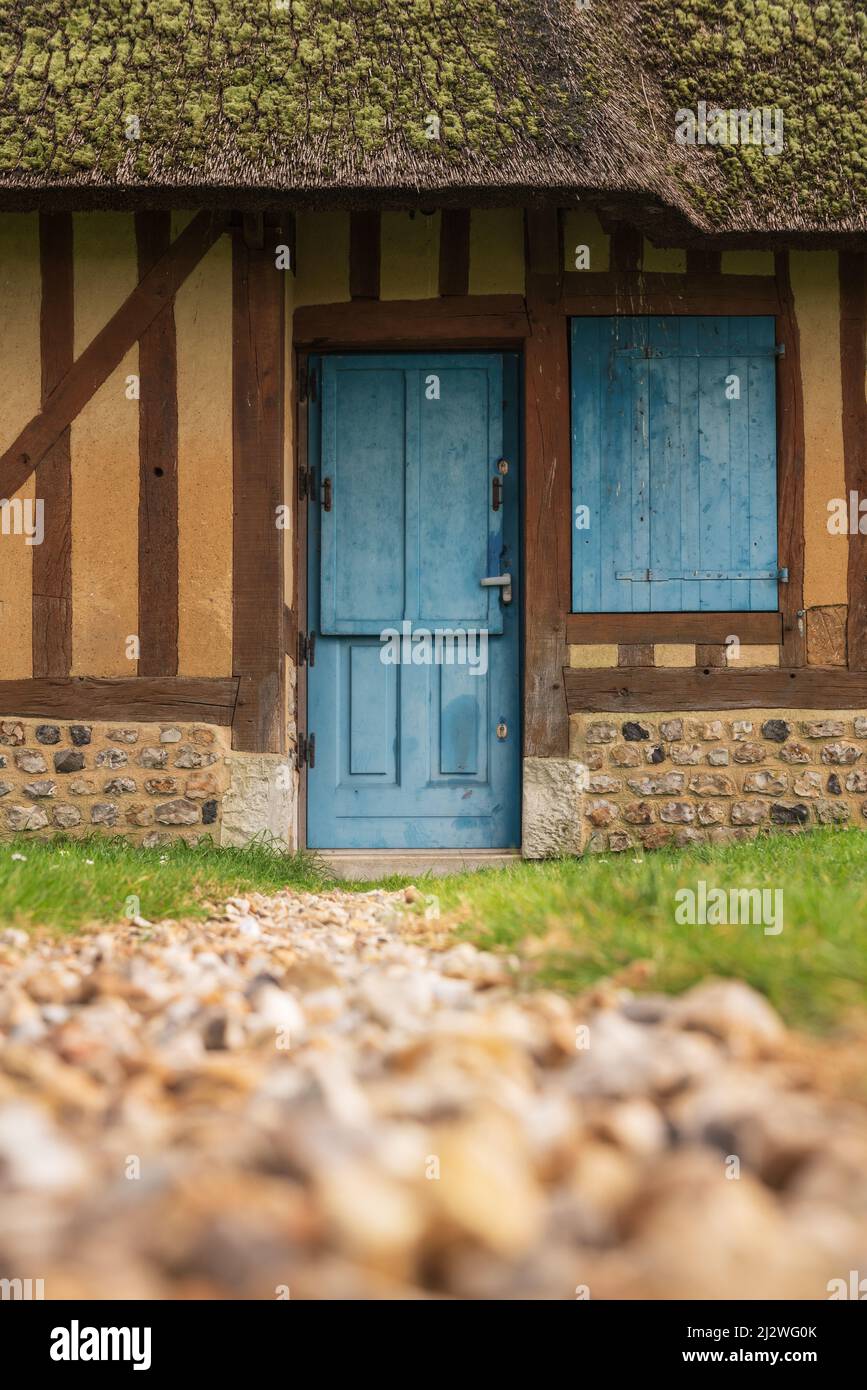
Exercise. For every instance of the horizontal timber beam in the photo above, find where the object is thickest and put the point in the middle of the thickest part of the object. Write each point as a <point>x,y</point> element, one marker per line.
<point>758,628</point>
<point>618,292</point>
<point>206,699</point>
<point>640,689</point>
<point>412,322</point>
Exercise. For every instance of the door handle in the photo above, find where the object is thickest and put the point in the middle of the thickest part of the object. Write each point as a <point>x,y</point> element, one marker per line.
<point>499,581</point>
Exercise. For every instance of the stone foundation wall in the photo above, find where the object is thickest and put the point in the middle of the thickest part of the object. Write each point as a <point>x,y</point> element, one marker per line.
<point>660,779</point>
<point>148,782</point>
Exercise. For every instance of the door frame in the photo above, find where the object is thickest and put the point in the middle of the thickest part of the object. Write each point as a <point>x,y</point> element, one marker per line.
<point>300,549</point>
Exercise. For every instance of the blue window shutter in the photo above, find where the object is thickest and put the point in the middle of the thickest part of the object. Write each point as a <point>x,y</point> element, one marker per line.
<point>674,455</point>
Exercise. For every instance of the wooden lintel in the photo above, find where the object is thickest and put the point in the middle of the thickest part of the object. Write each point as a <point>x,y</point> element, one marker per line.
<point>412,322</point>
<point>758,628</point>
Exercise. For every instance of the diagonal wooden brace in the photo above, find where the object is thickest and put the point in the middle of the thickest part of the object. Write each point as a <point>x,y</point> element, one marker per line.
<point>111,344</point>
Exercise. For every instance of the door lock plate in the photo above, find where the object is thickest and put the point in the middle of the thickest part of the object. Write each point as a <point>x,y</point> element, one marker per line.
<point>502,730</point>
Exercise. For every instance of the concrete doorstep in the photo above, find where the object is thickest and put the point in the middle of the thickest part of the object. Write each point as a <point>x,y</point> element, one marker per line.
<point>381,863</point>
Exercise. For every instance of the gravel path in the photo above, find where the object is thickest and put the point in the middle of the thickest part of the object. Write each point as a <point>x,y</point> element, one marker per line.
<point>316,1096</point>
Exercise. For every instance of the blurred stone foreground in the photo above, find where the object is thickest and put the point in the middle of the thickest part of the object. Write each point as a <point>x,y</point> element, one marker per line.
<point>314,1096</point>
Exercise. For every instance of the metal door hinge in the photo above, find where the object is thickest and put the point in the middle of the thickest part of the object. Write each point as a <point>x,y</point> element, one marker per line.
<point>307,648</point>
<point>305,753</point>
<point>308,384</point>
<point>305,485</point>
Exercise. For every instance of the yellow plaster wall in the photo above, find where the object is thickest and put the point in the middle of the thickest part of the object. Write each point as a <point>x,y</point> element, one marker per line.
<point>817,309</point>
<point>105,462</point>
<point>668,259</point>
<point>747,263</point>
<point>322,258</point>
<point>496,251</point>
<point>409,255</point>
<point>203,327</point>
<point>585,229</point>
<point>20,389</point>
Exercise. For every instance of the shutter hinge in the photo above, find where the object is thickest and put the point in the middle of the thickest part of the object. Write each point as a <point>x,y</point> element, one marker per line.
<point>305,752</point>
<point>307,648</point>
<point>308,383</point>
<point>305,485</point>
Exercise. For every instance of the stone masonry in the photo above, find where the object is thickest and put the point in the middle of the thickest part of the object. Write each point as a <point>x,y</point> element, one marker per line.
<point>660,779</point>
<point>148,782</point>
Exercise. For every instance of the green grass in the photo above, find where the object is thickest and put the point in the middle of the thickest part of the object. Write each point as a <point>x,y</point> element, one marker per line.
<point>67,884</point>
<point>573,922</point>
<point>579,921</point>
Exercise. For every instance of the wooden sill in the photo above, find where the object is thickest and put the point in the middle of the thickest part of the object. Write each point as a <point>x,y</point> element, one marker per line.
<point>760,629</point>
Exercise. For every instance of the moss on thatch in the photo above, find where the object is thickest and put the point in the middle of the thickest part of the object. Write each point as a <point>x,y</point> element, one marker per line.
<point>260,77</point>
<point>323,96</point>
<point>807,59</point>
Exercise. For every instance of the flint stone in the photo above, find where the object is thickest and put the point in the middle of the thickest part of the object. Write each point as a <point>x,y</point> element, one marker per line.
<point>823,728</point>
<point>68,760</point>
<point>790,815</point>
<point>178,812</point>
<point>191,757</point>
<point>112,757</point>
<point>663,785</point>
<point>30,761</point>
<point>766,780</point>
<point>634,732</point>
<point>116,786</point>
<point>47,733</point>
<point>37,789</point>
<point>712,784</point>
<point>777,730</point>
<point>845,753</point>
<point>153,757</point>
<point>671,730</point>
<point>749,812</point>
<point>26,818</point>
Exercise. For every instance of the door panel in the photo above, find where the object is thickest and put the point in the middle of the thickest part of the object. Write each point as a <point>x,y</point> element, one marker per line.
<point>407,751</point>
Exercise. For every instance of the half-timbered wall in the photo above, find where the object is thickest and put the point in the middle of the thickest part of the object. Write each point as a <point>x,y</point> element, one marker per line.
<point>164,561</point>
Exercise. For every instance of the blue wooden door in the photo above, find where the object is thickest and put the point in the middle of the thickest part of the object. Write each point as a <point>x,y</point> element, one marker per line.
<point>674,464</point>
<point>413,695</point>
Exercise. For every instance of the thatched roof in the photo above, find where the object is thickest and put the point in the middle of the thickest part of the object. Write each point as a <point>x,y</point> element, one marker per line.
<point>118,102</point>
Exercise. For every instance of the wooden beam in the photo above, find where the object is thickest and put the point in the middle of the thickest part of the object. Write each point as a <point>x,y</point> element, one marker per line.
<point>400,323</point>
<point>548,492</point>
<point>206,699</point>
<point>364,246</point>
<point>454,251</point>
<point>258,371</point>
<point>790,471</point>
<point>853,360</point>
<point>626,246</point>
<point>758,628</point>
<point>710,654</point>
<point>702,261</point>
<point>635,654</point>
<point>158,467</point>
<point>659,292</point>
<point>640,689</point>
<point>52,560</point>
<point>108,349</point>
